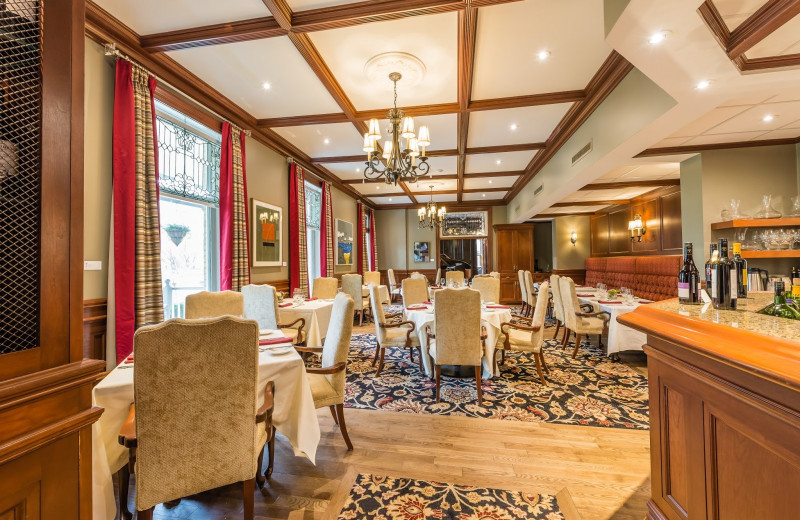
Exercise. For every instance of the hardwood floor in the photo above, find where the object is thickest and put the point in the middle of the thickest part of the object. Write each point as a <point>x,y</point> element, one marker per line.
<point>605,470</point>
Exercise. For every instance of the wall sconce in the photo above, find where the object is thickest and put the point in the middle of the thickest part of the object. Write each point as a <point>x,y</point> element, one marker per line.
<point>573,238</point>
<point>637,228</point>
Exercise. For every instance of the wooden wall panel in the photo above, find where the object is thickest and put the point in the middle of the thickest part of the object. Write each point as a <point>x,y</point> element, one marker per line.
<point>94,328</point>
<point>676,479</point>
<point>650,211</point>
<point>671,223</point>
<point>599,234</point>
<point>619,241</point>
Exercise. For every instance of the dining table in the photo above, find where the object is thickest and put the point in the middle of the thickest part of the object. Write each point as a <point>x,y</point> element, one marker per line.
<point>383,292</point>
<point>316,312</point>
<point>620,337</point>
<point>492,316</point>
<point>294,415</point>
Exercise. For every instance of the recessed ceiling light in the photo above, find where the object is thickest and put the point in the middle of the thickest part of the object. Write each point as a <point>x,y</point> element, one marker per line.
<point>513,126</point>
<point>543,55</point>
<point>767,118</point>
<point>484,195</point>
<point>702,85</point>
<point>490,181</point>
<point>377,187</point>
<point>327,141</point>
<point>358,170</point>
<point>266,85</point>
<point>499,161</point>
<point>390,199</point>
<point>658,37</point>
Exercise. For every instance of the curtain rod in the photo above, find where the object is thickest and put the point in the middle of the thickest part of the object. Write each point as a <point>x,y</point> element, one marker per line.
<point>110,49</point>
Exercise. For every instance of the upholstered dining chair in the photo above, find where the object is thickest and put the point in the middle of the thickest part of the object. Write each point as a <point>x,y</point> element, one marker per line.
<point>352,285</point>
<point>414,291</point>
<point>580,322</point>
<point>495,274</point>
<point>488,286</point>
<point>327,382</point>
<point>325,288</point>
<point>456,277</point>
<point>523,292</point>
<point>371,277</point>
<point>457,337</point>
<point>261,304</point>
<point>419,276</point>
<point>391,335</point>
<point>528,338</point>
<point>394,289</point>
<point>438,279</point>
<point>206,304</point>
<point>530,290</point>
<point>213,361</point>
<point>558,307</point>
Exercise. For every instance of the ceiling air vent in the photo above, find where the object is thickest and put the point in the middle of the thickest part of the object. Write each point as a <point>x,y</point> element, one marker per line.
<point>538,190</point>
<point>582,152</point>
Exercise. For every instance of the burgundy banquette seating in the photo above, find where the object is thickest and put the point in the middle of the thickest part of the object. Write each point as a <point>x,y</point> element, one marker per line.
<point>651,277</point>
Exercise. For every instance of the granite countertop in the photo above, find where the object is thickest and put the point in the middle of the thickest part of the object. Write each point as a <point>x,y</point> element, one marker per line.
<point>744,317</point>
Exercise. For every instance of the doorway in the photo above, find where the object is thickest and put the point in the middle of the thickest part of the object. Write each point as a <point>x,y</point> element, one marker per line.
<point>472,251</point>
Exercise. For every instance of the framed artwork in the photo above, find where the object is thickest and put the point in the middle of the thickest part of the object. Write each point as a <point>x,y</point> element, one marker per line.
<point>470,224</point>
<point>422,252</point>
<point>267,239</point>
<point>344,242</point>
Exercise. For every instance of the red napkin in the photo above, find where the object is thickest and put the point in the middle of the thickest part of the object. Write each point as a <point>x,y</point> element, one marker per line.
<point>417,308</point>
<point>287,304</point>
<point>586,295</point>
<point>428,303</point>
<point>311,299</point>
<point>436,287</point>
<point>608,302</point>
<point>129,359</point>
<point>274,341</point>
<point>497,307</point>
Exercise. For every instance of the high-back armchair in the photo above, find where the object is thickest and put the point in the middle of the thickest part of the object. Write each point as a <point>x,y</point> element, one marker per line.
<point>352,285</point>
<point>558,307</point>
<point>390,335</point>
<point>394,289</point>
<point>206,304</point>
<point>325,288</point>
<point>414,291</point>
<point>372,277</point>
<point>530,290</point>
<point>529,338</point>
<point>523,292</point>
<point>456,277</point>
<point>580,322</point>
<point>488,286</point>
<point>261,304</point>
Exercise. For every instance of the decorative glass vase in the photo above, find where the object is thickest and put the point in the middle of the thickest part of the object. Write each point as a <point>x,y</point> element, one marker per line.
<point>795,206</point>
<point>767,211</point>
<point>732,213</point>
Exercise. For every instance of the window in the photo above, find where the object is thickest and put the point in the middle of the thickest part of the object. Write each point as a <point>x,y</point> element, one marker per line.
<point>188,170</point>
<point>313,219</point>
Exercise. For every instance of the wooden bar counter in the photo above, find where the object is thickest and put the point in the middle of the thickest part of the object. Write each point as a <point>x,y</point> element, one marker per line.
<point>724,411</point>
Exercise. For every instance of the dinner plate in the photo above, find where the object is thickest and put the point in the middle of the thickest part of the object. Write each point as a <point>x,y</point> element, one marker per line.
<point>279,351</point>
<point>266,333</point>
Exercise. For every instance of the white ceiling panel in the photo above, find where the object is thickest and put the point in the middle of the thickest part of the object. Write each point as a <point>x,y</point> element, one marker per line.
<point>432,39</point>
<point>498,162</point>
<point>709,121</point>
<point>443,130</point>
<point>438,185</point>
<point>784,40</point>
<point>391,200</point>
<point>514,125</point>
<point>510,36</point>
<point>725,138</point>
<point>443,165</point>
<point>239,71</point>
<point>437,198</point>
<point>734,12</point>
<point>752,119</point>
<point>749,100</point>
<point>488,197</point>
<point>489,182</point>
<point>376,188</point>
<point>635,172</point>
<point>347,171</point>
<point>155,16</point>
<point>324,140</point>
<point>671,141</point>
<point>304,5</point>
<point>783,133</point>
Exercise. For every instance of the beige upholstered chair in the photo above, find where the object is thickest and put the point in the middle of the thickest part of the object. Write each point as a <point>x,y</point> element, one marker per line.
<point>530,290</point>
<point>495,274</point>
<point>523,292</point>
<point>582,323</point>
<point>438,279</point>
<point>394,335</point>
<point>558,307</point>
<point>327,383</point>
<point>419,276</point>
<point>454,276</point>
<point>489,288</point>
<point>216,436</point>
<point>372,277</point>
<point>457,339</point>
<point>529,338</point>
<point>414,291</point>
<point>261,304</point>
<point>325,288</point>
<point>394,289</point>
<point>206,304</point>
<point>351,284</point>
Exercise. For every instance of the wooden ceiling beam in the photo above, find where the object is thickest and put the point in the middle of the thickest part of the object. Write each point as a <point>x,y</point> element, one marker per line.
<point>505,148</point>
<point>696,148</point>
<point>348,15</point>
<point>487,190</point>
<point>766,20</point>
<point>493,174</point>
<point>630,184</point>
<point>414,111</point>
<point>556,215</point>
<point>422,179</point>
<point>316,119</point>
<point>550,98</point>
<point>467,205</point>
<point>216,34</point>
<point>590,203</point>
<point>281,12</point>
<point>467,28</point>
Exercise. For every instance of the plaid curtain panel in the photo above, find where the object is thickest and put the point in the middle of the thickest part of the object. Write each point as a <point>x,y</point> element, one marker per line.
<point>373,241</point>
<point>327,231</point>
<point>240,264</point>
<point>297,228</point>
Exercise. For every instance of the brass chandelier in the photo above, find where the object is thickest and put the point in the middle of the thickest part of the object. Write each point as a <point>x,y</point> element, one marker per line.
<point>430,216</point>
<point>398,162</point>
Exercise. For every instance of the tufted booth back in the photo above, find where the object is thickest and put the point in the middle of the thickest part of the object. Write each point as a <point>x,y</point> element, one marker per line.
<point>651,277</point>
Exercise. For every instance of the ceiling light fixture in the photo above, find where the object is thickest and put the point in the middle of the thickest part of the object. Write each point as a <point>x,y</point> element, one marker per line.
<point>327,141</point>
<point>657,37</point>
<point>767,118</point>
<point>543,55</point>
<point>400,158</point>
<point>429,215</point>
<point>490,181</point>
<point>702,85</point>
<point>499,161</point>
<point>266,85</point>
<point>513,126</point>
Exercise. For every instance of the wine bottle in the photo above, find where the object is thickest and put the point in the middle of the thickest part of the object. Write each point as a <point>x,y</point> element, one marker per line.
<point>741,270</point>
<point>724,279</point>
<point>779,306</point>
<point>688,278</point>
<point>712,259</point>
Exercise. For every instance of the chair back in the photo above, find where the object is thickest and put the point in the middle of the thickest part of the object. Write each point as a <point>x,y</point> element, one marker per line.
<point>377,312</point>
<point>261,304</point>
<point>419,276</point>
<point>372,277</point>
<point>337,341</point>
<point>529,289</point>
<point>438,276</point>
<point>391,279</point>
<point>522,288</point>
<point>325,288</point>
<point>206,304</point>
<point>414,290</point>
<point>488,286</point>
<point>495,274</point>
<point>195,390</point>
<point>539,313</point>
<point>569,301</point>
<point>457,325</point>
<point>455,276</point>
<point>352,286</point>
<point>555,287</point>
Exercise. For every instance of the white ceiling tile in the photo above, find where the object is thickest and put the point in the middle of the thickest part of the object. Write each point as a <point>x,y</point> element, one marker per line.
<point>780,41</point>
<point>748,100</point>
<point>391,200</point>
<point>734,12</point>
<point>725,138</point>
<point>510,36</point>
<point>239,70</point>
<point>488,197</point>
<point>377,188</point>
<point>353,170</point>
<point>489,182</point>
<point>789,95</point>
<point>443,130</point>
<point>432,39</point>
<point>671,141</point>
<point>709,120</point>
<point>443,165</point>
<point>488,162</point>
<point>533,125</point>
<point>304,5</point>
<point>423,185</point>
<point>752,119</point>
<point>784,133</point>
<point>437,198</point>
<point>343,139</point>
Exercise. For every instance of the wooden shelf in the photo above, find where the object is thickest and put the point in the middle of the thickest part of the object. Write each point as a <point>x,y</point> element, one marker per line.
<point>777,253</point>
<point>757,222</point>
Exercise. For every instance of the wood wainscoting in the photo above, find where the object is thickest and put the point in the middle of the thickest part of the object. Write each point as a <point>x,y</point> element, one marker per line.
<point>94,328</point>
<point>577,275</point>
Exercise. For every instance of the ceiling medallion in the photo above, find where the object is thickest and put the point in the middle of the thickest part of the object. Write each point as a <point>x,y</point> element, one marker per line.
<point>381,65</point>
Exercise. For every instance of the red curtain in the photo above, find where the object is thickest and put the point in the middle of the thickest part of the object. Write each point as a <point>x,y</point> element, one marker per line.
<point>361,242</point>
<point>326,232</point>
<point>298,261</point>
<point>373,252</point>
<point>234,241</point>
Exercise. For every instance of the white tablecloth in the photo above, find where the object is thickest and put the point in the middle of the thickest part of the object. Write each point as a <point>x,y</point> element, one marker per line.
<point>383,292</point>
<point>294,416</point>
<point>317,314</point>
<point>490,318</point>
<point>620,337</point>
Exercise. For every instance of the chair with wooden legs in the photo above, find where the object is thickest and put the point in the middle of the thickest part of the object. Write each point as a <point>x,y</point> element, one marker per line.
<point>414,291</point>
<point>352,285</point>
<point>207,304</point>
<point>261,304</point>
<point>394,289</point>
<point>325,287</point>
<point>523,292</point>
<point>327,382</point>
<point>558,307</point>
<point>391,335</point>
<point>580,322</point>
<point>176,455</point>
<point>529,338</point>
<point>458,337</point>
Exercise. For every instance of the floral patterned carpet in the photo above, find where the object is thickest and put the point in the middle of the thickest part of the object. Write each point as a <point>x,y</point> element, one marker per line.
<point>387,498</point>
<point>591,390</point>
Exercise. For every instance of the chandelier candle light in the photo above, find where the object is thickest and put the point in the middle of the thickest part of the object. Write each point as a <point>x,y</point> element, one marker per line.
<point>429,216</point>
<point>400,156</point>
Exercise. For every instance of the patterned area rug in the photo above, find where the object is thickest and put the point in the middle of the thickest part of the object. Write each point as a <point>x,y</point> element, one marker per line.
<point>388,498</point>
<point>591,390</point>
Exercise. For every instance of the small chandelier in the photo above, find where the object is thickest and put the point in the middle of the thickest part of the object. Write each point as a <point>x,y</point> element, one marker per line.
<point>637,228</point>
<point>429,216</point>
<point>401,152</point>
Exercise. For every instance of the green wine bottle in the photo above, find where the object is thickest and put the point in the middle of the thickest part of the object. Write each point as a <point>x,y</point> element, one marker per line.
<point>779,306</point>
